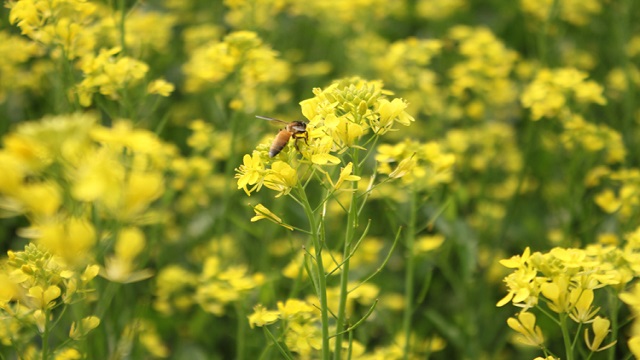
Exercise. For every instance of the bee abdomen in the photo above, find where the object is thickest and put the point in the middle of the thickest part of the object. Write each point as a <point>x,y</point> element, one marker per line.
<point>279,143</point>
<point>275,149</point>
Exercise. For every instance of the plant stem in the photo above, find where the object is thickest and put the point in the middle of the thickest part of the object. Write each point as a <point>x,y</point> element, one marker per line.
<point>318,244</point>
<point>566,337</point>
<point>45,336</point>
<point>352,223</point>
<point>240,334</point>
<point>409,275</point>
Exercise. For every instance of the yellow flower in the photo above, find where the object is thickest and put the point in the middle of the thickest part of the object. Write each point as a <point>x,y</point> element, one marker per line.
<point>78,330</point>
<point>263,213</point>
<point>72,240</point>
<point>427,244</point>
<point>345,175</point>
<point>525,325</point>
<point>390,112</point>
<point>108,74</point>
<point>634,346</point>
<point>160,87</point>
<point>405,167</point>
<point>251,172</point>
<point>68,354</point>
<point>600,330</point>
<point>281,178</point>
<point>582,311</point>
<point>44,298</point>
<point>261,316</point>
<point>608,201</point>
<point>130,243</point>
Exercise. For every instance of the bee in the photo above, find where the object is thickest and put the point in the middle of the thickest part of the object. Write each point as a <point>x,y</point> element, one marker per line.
<point>295,129</point>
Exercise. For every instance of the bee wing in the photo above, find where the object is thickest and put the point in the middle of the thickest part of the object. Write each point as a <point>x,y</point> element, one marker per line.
<point>300,128</point>
<point>271,119</point>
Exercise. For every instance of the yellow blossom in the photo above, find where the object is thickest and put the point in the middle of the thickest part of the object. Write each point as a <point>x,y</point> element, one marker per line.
<point>44,298</point>
<point>263,213</point>
<point>261,316</point>
<point>160,87</point>
<point>608,201</point>
<point>130,243</point>
<point>78,330</point>
<point>281,178</point>
<point>525,325</point>
<point>345,175</point>
<point>251,172</point>
<point>425,244</point>
<point>600,330</point>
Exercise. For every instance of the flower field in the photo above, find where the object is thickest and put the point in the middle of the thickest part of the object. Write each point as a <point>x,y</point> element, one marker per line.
<point>324,179</point>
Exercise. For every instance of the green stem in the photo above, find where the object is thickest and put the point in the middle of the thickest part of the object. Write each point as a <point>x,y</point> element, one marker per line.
<point>318,244</point>
<point>240,334</point>
<point>45,336</point>
<point>352,224</point>
<point>614,305</point>
<point>409,275</point>
<point>566,337</point>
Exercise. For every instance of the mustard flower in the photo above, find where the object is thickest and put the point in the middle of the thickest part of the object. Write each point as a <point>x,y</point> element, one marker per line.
<point>303,338</point>
<point>345,175</point>
<point>43,298</point>
<point>439,9</point>
<point>426,244</point>
<point>39,143</point>
<point>423,166</point>
<point>263,213</point>
<point>550,91</point>
<point>600,331</point>
<point>108,74</point>
<point>81,329</point>
<point>258,68</point>
<point>16,53</point>
<point>174,287</point>
<point>525,325</point>
<point>484,70</point>
<point>254,14</point>
<point>72,240</point>
<point>261,316</point>
<point>351,106</point>
<point>160,87</point>
<point>575,12</point>
<point>57,24</point>
<point>593,138</point>
<point>251,172</point>
<point>219,286</point>
<point>145,30</point>
<point>582,300</point>
<point>121,267</point>
<point>281,178</point>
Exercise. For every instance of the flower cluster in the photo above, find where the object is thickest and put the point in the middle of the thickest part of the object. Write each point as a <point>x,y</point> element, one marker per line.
<point>217,285</point>
<point>16,53</point>
<point>620,193</point>
<point>574,12</point>
<point>421,166</point>
<point>67,169</point>
<point>482,77</point>
<point>567,281</point>
<point>553,91</point>
<point>250,69</point>
<point>593,138</point>
<point>33,283</point>
<point>58,25</point>
<point>339,116</point>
